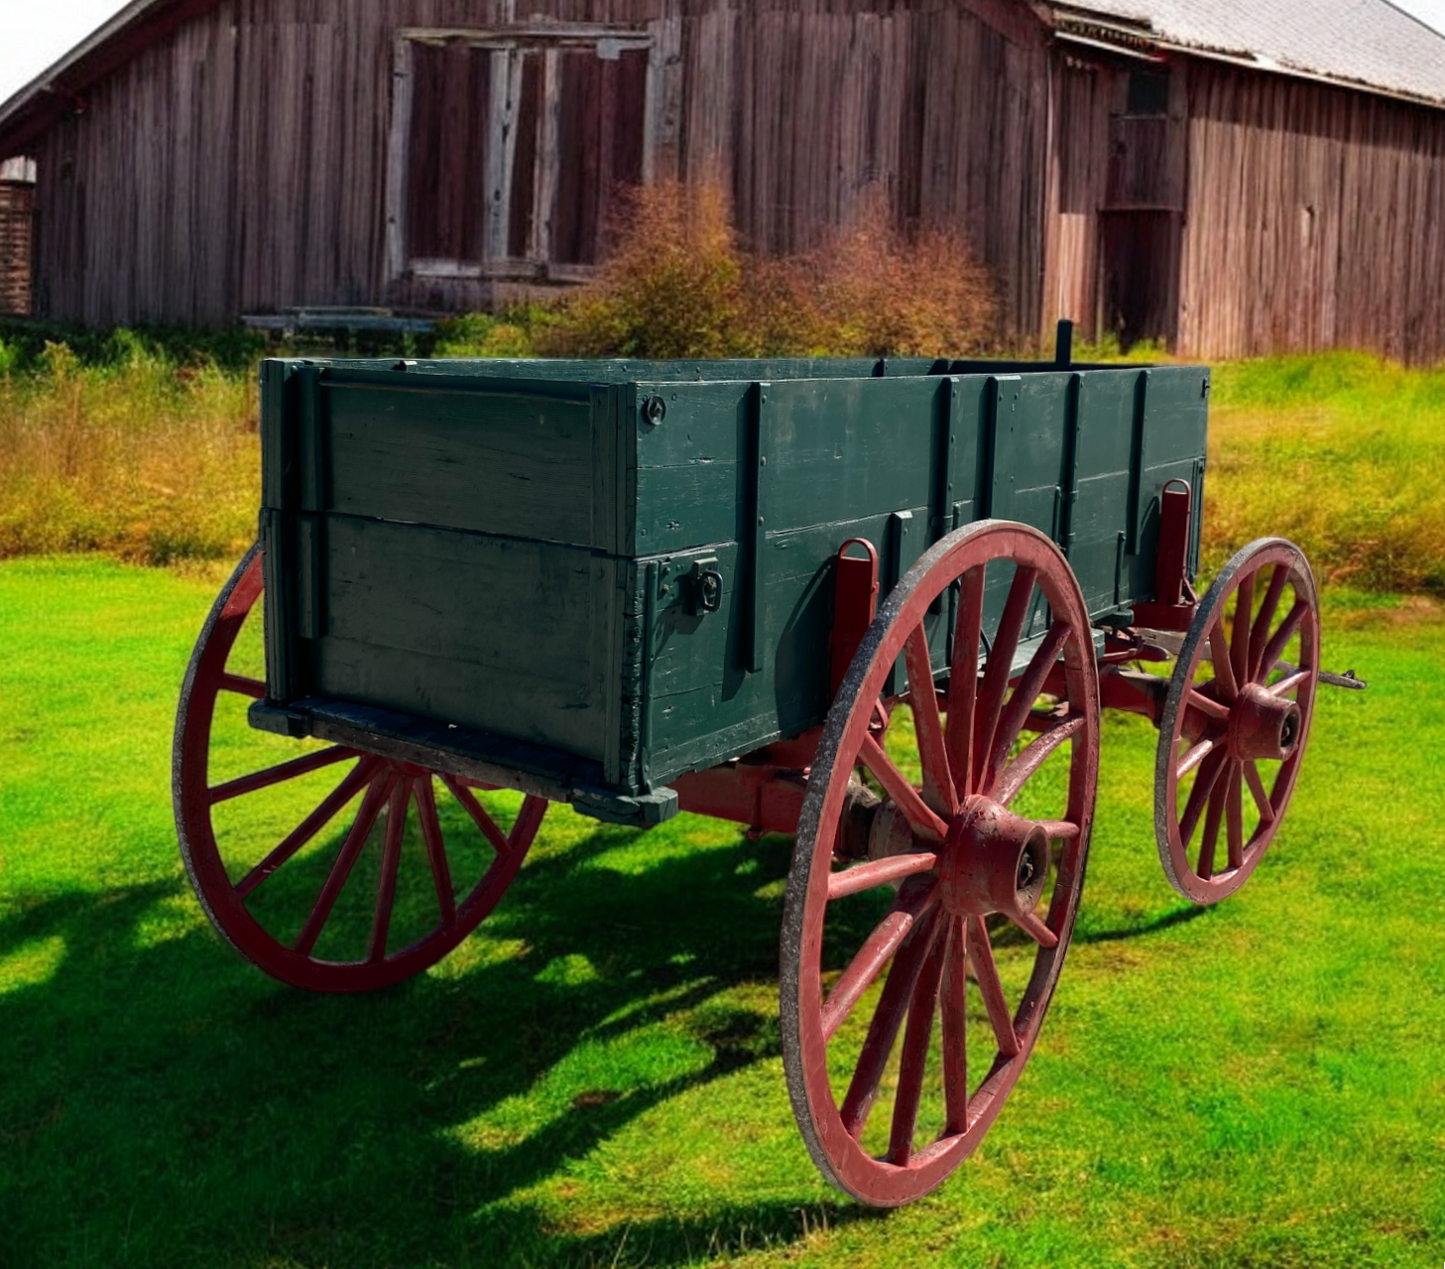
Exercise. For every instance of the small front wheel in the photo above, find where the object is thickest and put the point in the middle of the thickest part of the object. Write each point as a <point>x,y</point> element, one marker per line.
<point>1236,720</point>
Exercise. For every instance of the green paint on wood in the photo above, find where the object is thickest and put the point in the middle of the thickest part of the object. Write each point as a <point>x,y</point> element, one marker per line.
<point>513,547</point>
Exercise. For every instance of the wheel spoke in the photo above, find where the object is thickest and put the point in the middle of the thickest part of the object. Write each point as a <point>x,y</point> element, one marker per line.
<point>345,861</point>
<point>242,686</point>
<point>1291,681</point>
<point>1025,694</point>
<point>1219,652</point>
<point>963,680</point>
<point>913,1061</point>
<point>1200,793</point>
<point>883,1027</point>
<point>1207,705</point>
<point>436,851</point>
<point>980,954</point>
<point>283,771</point>
<point>1239,642</point>
<point>955,1028</point>
<point>1033,926</point>
<point>390,858</point>
<point>1212,816</point>
<point>904,795</point>
<point>1234,817</point>
<point>1259,634</point>
<point>1059,830</point>
<point>876,872</point>
<point>938,790</point>
<point>309,827</point>
<point>1261,798</point>
<point>999,670</point>
<point>529,820</point>
<point>1022,768</point>
<point>479,815</point>
<point>1274,649</point>
<point>1196,754</point>
<point>873,955</point>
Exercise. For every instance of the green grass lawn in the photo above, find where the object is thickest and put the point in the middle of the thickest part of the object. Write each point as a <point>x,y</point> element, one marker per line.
<point>594,1078</point>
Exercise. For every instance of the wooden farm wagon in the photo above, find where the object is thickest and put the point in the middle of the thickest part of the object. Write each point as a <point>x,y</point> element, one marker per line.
<point>878,605</point>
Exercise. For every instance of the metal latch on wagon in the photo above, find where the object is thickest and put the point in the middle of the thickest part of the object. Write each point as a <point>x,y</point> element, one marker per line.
<point>704,587</point>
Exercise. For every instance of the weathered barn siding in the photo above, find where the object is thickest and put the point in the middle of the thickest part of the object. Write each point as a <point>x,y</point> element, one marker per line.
<point>264,154</point>
<point>1086,94</point>
<point>1316,219</point>
<point>241,163</point>
<point>17,200</point>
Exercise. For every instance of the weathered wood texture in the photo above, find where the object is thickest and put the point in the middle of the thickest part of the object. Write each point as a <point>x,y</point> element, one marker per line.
<point>563,609</point>
<point>241,163</point>
<point>17,236</point>
<point>265,154</point>
<point>1262,214</point>
<point>1314,220</point>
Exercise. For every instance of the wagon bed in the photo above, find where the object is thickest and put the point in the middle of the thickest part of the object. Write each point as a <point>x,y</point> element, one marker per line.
<point>507,557</point>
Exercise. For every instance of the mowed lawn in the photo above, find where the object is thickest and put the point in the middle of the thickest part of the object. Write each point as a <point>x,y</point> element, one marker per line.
<point>594,1078</point>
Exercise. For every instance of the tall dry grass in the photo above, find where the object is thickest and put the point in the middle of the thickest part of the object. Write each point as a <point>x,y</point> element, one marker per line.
<point>143,459</point>
<point>154,460</point>
<point>680,284</point>
<point>1340,452</point>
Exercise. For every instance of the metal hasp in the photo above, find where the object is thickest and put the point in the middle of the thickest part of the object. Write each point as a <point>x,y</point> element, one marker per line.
<point>877,605</point>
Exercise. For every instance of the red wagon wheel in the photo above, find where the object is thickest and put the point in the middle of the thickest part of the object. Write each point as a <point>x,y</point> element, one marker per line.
<point>328,912</point>
<point>1237,718</point>
<point>967,871</point>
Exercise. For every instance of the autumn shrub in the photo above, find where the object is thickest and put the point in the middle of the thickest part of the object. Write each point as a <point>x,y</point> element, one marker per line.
<point>679,283</point>
<point>509,332</point>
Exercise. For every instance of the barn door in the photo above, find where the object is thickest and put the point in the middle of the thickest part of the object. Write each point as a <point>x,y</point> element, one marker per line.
<point>1141,220</point>
<point>1139,275</point>
<point>517,150</point>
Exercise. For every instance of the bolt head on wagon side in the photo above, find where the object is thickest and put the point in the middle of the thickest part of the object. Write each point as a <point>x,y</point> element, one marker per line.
<point>878,605</point>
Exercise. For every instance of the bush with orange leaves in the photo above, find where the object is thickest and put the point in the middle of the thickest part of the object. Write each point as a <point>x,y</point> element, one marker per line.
<point>679,285</point>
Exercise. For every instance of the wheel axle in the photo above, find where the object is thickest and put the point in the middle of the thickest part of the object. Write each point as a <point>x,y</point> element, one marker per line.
<point>993,861</point>
<point>1262,725</point>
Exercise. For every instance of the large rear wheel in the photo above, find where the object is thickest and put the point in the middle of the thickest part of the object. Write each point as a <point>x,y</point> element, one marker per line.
<point>330,868</point>
<point>938,868</point>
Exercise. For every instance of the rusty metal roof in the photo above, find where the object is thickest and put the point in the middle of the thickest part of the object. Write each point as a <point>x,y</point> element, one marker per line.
<point>1358,43</point>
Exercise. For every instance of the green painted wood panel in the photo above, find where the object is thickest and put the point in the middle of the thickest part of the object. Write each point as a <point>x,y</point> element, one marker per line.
<point>508,546</point>
<point>702,702</point>
<point>1104,484</point>
<point>626,371</point>
<point>1171,446</point>
<point>515,459</point>
<point>498,633</point>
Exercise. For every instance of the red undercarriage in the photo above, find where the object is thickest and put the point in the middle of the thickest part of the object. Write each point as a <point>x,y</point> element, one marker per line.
<point>764,789</point>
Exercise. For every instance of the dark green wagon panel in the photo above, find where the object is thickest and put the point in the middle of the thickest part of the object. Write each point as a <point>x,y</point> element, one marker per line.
<point>514,548</point>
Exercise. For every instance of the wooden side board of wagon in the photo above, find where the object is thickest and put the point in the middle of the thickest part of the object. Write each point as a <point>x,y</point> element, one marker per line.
<point>877,605</point>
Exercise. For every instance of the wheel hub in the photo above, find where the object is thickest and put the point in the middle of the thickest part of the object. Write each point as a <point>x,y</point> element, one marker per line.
<point>992,861</point>
<point>1262,725</point>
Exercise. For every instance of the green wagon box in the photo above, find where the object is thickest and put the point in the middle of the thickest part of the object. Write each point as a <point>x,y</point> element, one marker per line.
<point>476,545</point>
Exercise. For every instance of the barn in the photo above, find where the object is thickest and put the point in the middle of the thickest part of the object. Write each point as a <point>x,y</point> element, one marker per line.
<point>1229,177</point>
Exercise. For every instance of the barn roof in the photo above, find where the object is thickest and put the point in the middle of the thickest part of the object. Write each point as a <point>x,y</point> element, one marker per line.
<point>1366,44</point>
<point>1360,43</point>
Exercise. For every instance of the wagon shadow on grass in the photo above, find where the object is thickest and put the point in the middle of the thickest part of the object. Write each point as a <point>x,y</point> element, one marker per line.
<point>201,1108</point>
